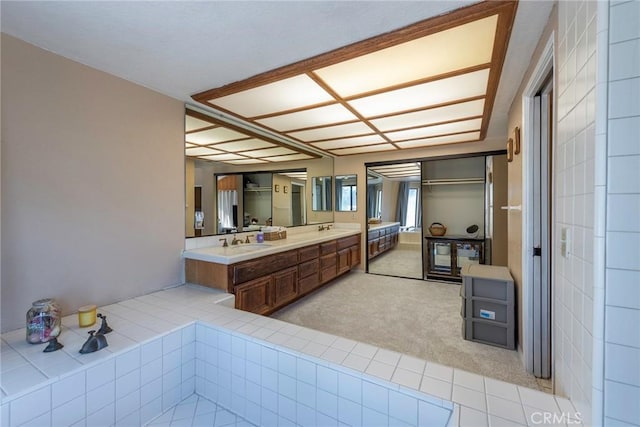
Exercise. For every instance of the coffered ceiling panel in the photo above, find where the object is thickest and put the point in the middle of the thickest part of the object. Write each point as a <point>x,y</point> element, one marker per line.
<point>433,82</point>
<point>429,116</point>
<point>415,60</point>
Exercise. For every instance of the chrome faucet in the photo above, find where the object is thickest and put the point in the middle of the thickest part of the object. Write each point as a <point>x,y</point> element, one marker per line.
<point>235,241</point>
<point>247,239</point>
<point>225,244</point>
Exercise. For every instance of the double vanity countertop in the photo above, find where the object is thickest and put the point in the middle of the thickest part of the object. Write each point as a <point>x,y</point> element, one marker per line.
<point>246,251</point>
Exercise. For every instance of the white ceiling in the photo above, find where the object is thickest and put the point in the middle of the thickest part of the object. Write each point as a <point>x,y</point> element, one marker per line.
<point>180,48</point>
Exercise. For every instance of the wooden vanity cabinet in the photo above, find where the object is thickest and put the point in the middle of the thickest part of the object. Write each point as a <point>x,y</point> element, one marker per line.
<point>266,284</point>
<point>382,240</point>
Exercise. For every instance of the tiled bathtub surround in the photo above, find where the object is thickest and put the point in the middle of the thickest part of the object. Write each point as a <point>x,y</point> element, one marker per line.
<point>170,344</point>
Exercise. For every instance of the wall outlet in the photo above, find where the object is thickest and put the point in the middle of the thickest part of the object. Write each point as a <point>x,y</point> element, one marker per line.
<point>565,238</point>
<point>486,314</point>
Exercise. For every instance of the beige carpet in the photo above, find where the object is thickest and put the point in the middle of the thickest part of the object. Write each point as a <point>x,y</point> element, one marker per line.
<point>415,317</point>
<point>405,260</point>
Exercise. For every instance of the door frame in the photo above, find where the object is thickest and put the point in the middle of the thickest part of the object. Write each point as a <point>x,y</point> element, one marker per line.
<point>545,64</point>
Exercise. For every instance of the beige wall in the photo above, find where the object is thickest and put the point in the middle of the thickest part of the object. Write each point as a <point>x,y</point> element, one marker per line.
<point>92,184</point>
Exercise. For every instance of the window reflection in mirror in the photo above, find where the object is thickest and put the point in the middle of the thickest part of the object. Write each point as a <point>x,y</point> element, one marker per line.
<point>321,193</point>
<point>346,192</point>
<point>374,196</point>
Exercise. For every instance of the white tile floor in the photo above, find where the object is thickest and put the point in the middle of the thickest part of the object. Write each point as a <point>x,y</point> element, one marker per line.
<point>481,400</point>
<point>196,411</point>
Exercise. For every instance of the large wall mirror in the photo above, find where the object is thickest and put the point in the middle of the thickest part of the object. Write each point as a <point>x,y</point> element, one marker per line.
<point>235,183</point>
<point>393,212</point>
<point>346,192</point>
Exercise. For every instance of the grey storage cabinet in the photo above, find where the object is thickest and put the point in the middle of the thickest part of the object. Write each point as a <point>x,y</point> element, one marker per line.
<point>487,300</point>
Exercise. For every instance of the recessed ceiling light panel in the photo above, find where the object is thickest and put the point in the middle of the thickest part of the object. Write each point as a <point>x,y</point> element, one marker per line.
<point>212,136</point>
<point>440,140</point>
<point>332,132</point>
<point>430,116</point>
<point>447,128</point>
<point>283,95</point>
<point>309,118</point>
<point>433,93</point>
<point>457,48</point>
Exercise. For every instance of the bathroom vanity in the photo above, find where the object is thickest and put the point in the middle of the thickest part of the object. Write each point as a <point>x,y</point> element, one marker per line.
<point>382,237</point>
<point>265,277</point>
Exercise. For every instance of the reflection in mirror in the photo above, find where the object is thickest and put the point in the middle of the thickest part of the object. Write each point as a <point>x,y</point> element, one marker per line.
<point>394,212</point>
<point>346,192</point>
<point>321,193</point>
<point>218,157</point>
<point>250,201</point>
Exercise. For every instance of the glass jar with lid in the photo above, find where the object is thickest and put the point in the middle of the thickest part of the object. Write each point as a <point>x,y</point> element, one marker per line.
<point>43,321</point>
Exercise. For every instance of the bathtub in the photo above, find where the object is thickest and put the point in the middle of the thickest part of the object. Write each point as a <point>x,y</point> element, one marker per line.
<point>410,236</point>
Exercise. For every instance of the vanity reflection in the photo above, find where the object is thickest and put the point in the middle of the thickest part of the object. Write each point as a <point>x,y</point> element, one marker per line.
<point>224,199</point>
<point>394,246</point>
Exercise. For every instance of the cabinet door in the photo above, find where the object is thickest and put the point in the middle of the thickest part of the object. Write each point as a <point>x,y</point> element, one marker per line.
<point>440,257</point>
<point>355,255</point>
<point>344,262</point>
<point>467,253</point>
<point>285,286</point>
<point>255,296</point>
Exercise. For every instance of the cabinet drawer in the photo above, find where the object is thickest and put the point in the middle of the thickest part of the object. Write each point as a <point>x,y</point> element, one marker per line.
<point>310,252</point>
<point>327,261</point>
<point>327,274</point>
<point>500,311</point>
<point>308,268</point>
<point>328,247</point>
<point>373,234</point>
<point>345,242</point>
<point>309,283</point>
<point>245,271</point>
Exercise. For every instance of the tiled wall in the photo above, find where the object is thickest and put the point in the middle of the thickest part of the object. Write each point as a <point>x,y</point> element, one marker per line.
<point>575,164</point>
<point>259,381</point>
<point>128,389</point>
<point>268,385</point>
<point>622,310</point>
